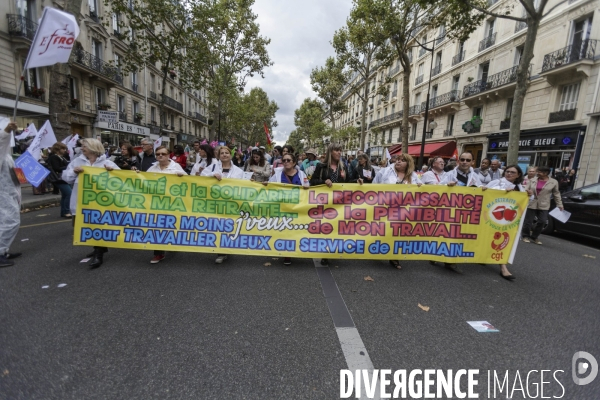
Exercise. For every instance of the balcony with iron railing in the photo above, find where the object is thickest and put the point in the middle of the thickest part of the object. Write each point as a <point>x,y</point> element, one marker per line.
<point>520,25</point>
<point>422,52</point>
<point>414,110</point>
<point>487,42</point>
<point>153,95</point>
<point>395,93</point>
<point>387,119</point>
<point>95,64</point>
<point>436,70</point>
<point>493,81</point>
<point>20,26</point>
<point>173,103</point>
<point>134,87</point>
<point>394,70</point>
<point>452,96</point>
<point>448,132</point>
<point>586,50</point>
<point>460,57</point>
<point>428,134</point>
<point>122,116</point>
<point>201,117</point>
<point>505,124</point>
<point>419,80</point>
<point>561,116</point>
<point>440,38</point>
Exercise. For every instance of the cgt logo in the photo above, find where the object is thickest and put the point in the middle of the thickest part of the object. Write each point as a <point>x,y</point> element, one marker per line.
<point>580,368</point>
<point>60,37</point>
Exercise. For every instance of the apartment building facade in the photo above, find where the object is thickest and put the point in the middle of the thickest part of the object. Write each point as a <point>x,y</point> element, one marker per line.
<point>96,81</point>
<point>474,81</point>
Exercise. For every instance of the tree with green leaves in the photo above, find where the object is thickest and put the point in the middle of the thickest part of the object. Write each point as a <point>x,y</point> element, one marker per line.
<point>156,32</point>
<point>310,123</point>
<point>363,46</point>
<point>233,50</point>
<point>402,20</point>
<point>296,141</point>
<point>248,114</point>
<point>329,82</point>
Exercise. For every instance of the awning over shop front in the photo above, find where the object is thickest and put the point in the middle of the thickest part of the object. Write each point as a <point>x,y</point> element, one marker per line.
<point>442,149</point>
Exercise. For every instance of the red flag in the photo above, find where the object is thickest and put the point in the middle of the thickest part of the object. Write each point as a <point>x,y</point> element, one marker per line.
<point>455,154</point>
<point>267,133</point>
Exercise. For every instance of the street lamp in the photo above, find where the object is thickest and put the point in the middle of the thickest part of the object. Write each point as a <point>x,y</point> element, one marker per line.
<point>421,157</point>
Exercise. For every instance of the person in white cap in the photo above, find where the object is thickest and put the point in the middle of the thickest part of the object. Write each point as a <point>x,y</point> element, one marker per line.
<point>10,198</point>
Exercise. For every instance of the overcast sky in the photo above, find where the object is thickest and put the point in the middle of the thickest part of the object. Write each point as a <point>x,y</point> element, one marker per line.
<point>300,33</point>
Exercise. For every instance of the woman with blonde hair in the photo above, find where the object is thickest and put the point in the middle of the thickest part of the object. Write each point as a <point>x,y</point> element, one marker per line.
<point>402,171</point>
<point>92,155</point>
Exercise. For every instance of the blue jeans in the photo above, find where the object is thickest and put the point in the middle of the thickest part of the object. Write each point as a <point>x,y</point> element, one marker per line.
<point>65,192</point>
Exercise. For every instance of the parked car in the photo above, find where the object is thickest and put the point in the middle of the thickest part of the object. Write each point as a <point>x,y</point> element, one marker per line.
<point>584,206</point>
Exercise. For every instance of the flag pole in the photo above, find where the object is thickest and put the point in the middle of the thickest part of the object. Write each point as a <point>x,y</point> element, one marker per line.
<point>33,42</point>
<point>17,97</point>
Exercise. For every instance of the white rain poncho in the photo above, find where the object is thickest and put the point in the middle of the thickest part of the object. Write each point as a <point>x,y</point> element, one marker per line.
<point>73,179</point>
<point>10,194</point>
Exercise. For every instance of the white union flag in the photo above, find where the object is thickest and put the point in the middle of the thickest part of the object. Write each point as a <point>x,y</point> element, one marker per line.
<point>54,39</point>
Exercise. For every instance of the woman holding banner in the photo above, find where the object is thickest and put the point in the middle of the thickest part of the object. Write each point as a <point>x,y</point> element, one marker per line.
<point>164,166</point>
<point>260,168</point>
<point>512,179</point>
<point>290,175</point>
<point>226,169</point>
<point>402,171</point>
<point>92,155</point>
<point>206,158</point>
<point>331,170</point>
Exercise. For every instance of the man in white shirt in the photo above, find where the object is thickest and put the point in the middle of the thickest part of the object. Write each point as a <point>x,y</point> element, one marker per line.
<point>436,175</point>
<point>495,170</point>
<point>463,174</point>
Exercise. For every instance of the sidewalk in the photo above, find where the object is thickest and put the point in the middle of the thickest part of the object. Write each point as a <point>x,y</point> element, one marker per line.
<point>29,200</point>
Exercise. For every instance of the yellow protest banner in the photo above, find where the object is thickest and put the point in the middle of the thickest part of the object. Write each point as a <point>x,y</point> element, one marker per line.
<point>388,222</point>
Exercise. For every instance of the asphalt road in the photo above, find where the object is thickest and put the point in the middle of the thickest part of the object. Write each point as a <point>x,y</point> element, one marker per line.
<point>190,329</point>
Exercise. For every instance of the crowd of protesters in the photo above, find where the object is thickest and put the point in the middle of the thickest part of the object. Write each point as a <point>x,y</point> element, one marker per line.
<point>283,165</point>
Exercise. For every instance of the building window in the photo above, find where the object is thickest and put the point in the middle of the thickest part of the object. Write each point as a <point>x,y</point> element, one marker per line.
<point>455,82</point>
<point>509,106</point>
<point>390,137</point>
<point>99,96</point>
<point>153,115</point>
<point>413,134</point>
<point>97,48</point>
<point>136,108</point>
<point>518,54</point>
<point>568,98</point>
<point>450,125</point>
<point>73,88</point>
<point>477,111</point>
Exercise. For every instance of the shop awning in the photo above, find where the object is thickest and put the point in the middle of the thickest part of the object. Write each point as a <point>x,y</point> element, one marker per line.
<point>442,149</point>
